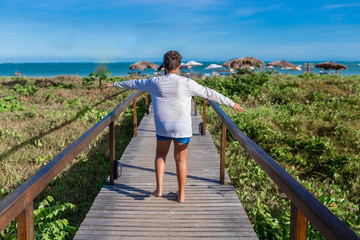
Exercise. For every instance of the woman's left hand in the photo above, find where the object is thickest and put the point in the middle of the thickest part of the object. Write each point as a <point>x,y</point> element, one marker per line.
<point>237,108</point>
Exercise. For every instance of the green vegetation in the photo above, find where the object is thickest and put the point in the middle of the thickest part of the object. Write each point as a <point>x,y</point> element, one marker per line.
<point>41,117</point>
<point>102,75</point>
<point>310,125</point>
<point>47,222</point>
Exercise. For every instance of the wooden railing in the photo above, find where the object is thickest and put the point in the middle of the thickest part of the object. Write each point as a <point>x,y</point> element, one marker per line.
<point>19,203</point>
<point>304,206</point>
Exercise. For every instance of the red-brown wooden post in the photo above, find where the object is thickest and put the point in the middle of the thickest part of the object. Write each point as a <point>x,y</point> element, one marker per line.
<point>25,223</point>
<point>112,151</point>
<point>222,155</point>
<point>204,116</point>
<point>147,103</point>
<point>298,224</point>
<point>135,118</point>
<point>195,107</point>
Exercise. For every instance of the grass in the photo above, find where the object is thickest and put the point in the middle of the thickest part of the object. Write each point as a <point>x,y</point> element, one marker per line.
<point>310,125</point>
<point>40,117</point>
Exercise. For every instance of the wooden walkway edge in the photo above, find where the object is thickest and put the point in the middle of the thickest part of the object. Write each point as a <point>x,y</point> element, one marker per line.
<point>127,210</point>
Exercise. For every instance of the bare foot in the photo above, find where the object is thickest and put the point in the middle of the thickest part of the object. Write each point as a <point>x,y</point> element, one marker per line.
<point>156,193</point>
<point>181,197</point>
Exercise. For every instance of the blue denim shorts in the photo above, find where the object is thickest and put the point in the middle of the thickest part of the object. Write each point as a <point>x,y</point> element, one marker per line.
<point>180,140</point>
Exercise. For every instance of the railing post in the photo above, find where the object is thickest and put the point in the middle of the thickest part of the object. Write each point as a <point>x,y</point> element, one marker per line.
<point>222,155</point>
<point>112,151</point>
<point>298,224</point>
<point>146,103</point>
<point>135,118</point>
<point>25,223</point>
<point>204,116</point>
<point>195,107</point>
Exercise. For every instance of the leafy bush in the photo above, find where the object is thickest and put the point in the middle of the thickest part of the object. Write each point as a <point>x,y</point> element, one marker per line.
<point>245,83</point>
<point>26,89</point>
<point>101,75</point>
<point>89,80</point>
<point>10,103</point>
<point>62,85</point>
<point>48,222</point>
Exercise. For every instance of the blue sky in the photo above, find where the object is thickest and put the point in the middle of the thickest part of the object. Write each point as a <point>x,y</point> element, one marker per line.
<point>114,30</point>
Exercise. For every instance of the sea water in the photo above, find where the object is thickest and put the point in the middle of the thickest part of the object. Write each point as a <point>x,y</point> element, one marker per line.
<point>122,68</point>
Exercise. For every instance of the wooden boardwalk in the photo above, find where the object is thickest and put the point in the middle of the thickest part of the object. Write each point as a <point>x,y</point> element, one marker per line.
<point>128,210</point>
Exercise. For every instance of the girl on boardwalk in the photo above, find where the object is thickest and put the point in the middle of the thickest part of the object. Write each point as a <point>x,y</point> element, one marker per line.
<point>171,98</point>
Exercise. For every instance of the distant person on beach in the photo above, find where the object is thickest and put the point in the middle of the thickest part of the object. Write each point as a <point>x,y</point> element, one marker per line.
<point>171,97</point>
<point>321,72</point>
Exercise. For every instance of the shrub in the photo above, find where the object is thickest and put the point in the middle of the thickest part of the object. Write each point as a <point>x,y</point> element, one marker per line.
<point>48,222</point>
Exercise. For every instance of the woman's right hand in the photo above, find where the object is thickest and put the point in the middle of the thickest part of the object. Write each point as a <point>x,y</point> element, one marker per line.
<point>108,84</point>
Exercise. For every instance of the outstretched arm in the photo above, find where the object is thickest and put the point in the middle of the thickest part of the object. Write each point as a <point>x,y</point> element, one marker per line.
<point>208,93</point>
<point>134,84</point>
<point>237,108</point>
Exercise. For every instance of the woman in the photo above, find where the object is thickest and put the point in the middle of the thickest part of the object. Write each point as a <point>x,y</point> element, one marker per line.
<point>171,97</point>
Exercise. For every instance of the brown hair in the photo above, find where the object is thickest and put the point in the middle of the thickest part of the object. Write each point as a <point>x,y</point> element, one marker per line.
<point>172,60</point>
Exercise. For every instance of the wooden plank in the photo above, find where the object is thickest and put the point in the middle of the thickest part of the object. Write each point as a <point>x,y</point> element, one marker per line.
<point>128,210</point>
<point>87,237</point>
<point>169,233</point>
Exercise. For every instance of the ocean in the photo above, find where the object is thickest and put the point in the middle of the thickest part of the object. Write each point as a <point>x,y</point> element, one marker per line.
<point>122,68</point>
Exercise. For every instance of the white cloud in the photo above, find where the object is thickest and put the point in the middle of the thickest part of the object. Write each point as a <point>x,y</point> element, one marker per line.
<point>344,5</point>
<point>249,11</point>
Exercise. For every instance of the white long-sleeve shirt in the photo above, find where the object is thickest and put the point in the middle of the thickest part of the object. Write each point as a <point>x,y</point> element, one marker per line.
<point>171,97</point>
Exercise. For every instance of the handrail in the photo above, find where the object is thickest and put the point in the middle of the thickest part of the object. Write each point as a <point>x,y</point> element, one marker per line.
<point>19,203</point>
<point>304,205</point>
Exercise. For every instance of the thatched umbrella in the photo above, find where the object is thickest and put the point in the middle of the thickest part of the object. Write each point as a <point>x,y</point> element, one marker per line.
<point>330,65</point>
<point>283,64</point>
<point>142,65</point>
<point>243,62</point>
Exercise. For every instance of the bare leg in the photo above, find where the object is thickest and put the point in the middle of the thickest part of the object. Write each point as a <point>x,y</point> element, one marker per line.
<point>162,149</point>
<point>180,153</point>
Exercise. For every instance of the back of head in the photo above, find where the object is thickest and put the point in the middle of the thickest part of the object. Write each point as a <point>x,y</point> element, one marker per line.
<point>172,60</point>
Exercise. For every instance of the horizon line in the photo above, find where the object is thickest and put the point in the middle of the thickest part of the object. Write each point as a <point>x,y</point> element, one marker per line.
<point>38,62</point>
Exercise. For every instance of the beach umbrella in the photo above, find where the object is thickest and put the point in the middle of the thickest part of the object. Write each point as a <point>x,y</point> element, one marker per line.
<point>142,65</point>
<point>283,64</point>
<point>243,62</point>
<point>193,64</point>
<point>330,65</point>
<point>213,66</point>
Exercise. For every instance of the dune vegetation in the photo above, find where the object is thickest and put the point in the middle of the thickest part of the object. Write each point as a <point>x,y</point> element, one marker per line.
<point>39,117</point>
<point>310,124</point>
